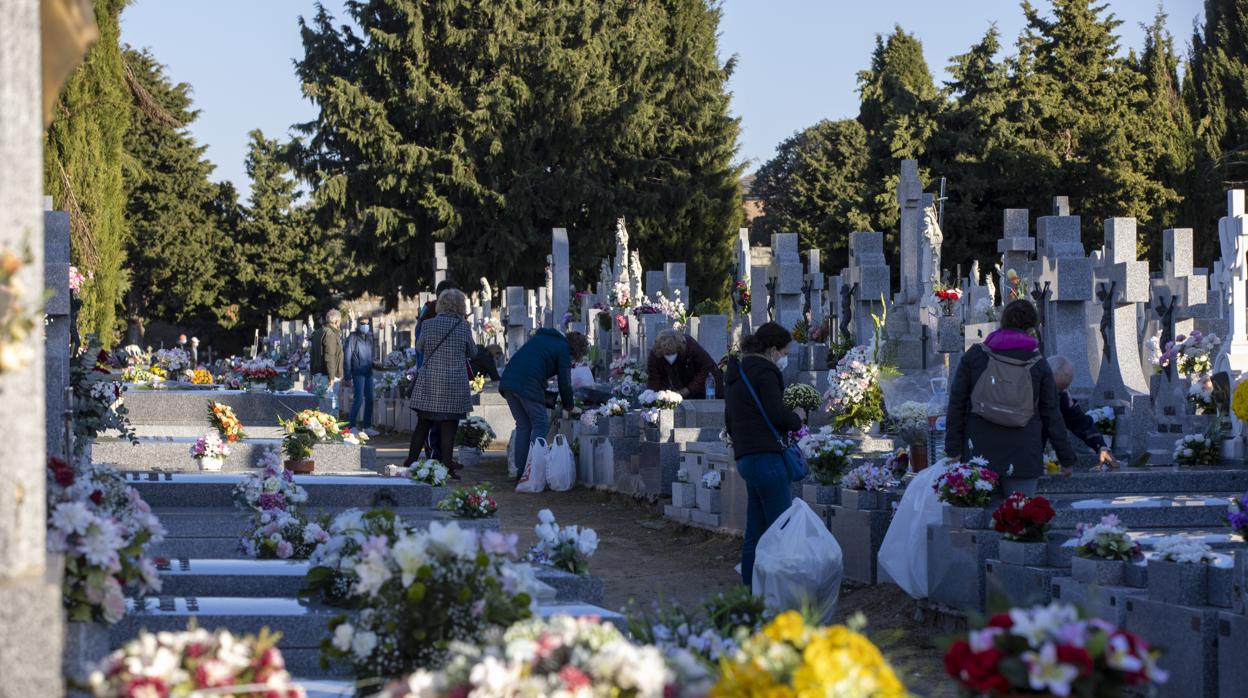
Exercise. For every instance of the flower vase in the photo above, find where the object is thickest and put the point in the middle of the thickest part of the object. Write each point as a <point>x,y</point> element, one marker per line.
<point>964,517</point>
<point>258,387</point>
<point>468,457</point>
<point>302,466</point>
<point>211,464</point>
<point>918,458</point>
<point>85,645</point>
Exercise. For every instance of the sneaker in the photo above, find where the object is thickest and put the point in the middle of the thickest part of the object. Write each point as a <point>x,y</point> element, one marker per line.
<point>371,432</point>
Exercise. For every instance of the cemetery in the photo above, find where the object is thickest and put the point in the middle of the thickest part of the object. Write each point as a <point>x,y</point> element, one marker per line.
<point>244,516</point>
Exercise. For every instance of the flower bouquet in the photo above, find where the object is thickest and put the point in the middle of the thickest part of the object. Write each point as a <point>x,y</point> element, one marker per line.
<point>421,591</point>
<point>1196,449</point>
<point>1200,394</point>
<point>970,484</point>
<point>712,480</point>
<point>140,376</point>
<point>429,471</point>
<point>562,656</point>
<point>621,297</point>
<point>673,308</point>
<point>868,478</point>
<point>492,329</point>
<point>308,428</point>
<point>660,399</point>
<point>741,296</point>
<point>475,432</point>
<point>803,396</point>
<point>1107,540</point>
<point>1015,286</point>
<point>173,361</point>
<point>470,502</point>
<point>221,417</point>
<point>1104,418</point>
<point>627,389</point>
<point>98,403</point>
<point>1023,518</point>
<point>273,487</point>
<point>1191,355</point>
<point>477,383</point>
<point>1237,514</point>
<point>1049,649</point>
<point>854,393</point>
<point>210,451</point>
<point>567,548</point>
<point>333,562</point>
<point>801,331</point>
<point>201,376</point>
<point>946,299</point>
<point>910,421</point>
<point>196,663</point>
<point>790,657</point>
<point>826,455</point>
<point>627,368</point>
<point>277,534</point>
<point>258,372</point>
<point>1183,550</point>
<point>711,636</point>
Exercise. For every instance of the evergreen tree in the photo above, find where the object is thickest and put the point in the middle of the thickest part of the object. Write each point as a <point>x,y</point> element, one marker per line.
<point>175,244</point>
<point>84,153</point>
<point>1216,92</point>
<point>899,109</point>
<point>813,186</point>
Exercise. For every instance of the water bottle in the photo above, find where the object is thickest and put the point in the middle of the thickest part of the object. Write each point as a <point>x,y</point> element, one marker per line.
<point>936,409</point>
<point>710,386</point>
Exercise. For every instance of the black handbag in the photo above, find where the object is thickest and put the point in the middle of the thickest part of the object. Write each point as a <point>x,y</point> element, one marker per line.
<point>794,461</point>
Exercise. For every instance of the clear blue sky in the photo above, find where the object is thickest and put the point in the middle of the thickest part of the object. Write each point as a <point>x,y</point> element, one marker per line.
<point>796,59</point>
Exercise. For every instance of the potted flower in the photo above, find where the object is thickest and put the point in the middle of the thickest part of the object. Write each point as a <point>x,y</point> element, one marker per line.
<point>474,435</point>
<point>1106,422</point>
<point>854,395</point>
<point>947,299</point>
<point>1102,552</point>
<point>1022,521</point>
<point>864,487</point>
<point>910,421</point>
<point>802,396</point>
<point>966,488</point>
<point>210,451</point>
<point>826,456</point>
<point>1200,394</point>
<point>257,373</point>
<point>308,428</point>
<point>1050,650</point>
<point>567,548</point>
<point>1196,449</point>
<point>470,502</point>
<point>1177,575</point>
<point>658,410</point>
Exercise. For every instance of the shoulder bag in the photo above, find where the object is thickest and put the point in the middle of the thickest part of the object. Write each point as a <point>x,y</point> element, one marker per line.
<point>794,463</point>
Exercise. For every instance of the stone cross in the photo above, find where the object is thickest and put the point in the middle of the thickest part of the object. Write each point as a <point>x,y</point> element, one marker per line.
<point>786,270</point>
<point>57,326</point>
<point>909,199</point>
<point>1233,236</point>
<point>869,276</point>
<point>1067,273</point>
<point>440,265</point>
<point>813,288</point>
<point>560,275</point>
<point>1180,283</point>
<point>1015,246</point>
<point>516,312</point>
<point>1121,376</point>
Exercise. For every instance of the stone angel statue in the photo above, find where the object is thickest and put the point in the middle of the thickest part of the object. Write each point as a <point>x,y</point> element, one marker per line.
<point>486,292</point>
<point>934,237</point>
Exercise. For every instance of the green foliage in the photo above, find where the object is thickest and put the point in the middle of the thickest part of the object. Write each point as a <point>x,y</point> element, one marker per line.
<point>84,156</point>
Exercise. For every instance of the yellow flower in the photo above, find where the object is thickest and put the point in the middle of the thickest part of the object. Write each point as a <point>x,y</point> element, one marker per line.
<point>1052,467</point>
<point>787,627</point>
<point>1239,401</point>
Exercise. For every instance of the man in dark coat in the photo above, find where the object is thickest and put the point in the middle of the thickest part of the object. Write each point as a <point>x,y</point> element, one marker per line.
<point>1077,421</point>
<point>548,354</point>
<point>326,359</point>
<point>680,364</point>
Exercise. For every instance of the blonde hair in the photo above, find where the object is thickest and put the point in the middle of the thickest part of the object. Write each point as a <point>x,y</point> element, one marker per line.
<point>669,342</point>
<point>452,301</point>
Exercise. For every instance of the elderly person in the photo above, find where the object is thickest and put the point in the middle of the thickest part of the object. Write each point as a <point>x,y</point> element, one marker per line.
<point>680,364</point>
<point>327,354</point>
<point>1077,421</point>
<point>441,396</point>
<point>549,353</point>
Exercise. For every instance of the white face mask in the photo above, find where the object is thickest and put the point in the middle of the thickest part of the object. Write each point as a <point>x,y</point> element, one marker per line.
<point>782,362</point>
<point>670,358</point>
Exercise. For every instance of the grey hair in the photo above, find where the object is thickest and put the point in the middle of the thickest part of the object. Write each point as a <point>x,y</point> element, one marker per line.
<point>1061,367</point>
<point>333,316</point>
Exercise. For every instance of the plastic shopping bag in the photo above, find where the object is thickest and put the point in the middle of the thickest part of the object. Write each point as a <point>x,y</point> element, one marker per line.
<point>534,479</point>
<point>903,554</point>
<point>582,377</point>
<point>798,564</point>
<point>560,465</point>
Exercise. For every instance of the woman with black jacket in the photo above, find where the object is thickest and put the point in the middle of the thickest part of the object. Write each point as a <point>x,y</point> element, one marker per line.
<point>764,355</point>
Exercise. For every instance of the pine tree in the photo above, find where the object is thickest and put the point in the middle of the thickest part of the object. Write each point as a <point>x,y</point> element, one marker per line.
<point>813,186</point>
<point>84,154</point>
<point>176,240</point>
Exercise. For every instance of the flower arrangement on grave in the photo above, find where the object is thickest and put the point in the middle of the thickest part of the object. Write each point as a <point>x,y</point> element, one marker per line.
<point>868,477</point>
<point>1015,286</point>
<point>98,403</point>
<point>673,308</point>
<point>333,562</point>
<point>196,662</point>
<point>1106,540</point>
<point>477,383</point>
<point>562,656</point>
<point>854,395</point>
<point>660,399</point>
<point>16,320</point>
<point>421,591</point>
<point>1196,449</point>
<point>388,381</point>
<point>821,332</point>
<point>272,487</point>
<point>134,355</point>
<point>470,502</point>
<point>946,299</point>
<point>627,389</point>
<point>140,376</point>
<point>803,396</point>
<point>492,329</point>
<point>1200,394</point>
<point>429,471</point>
<point>1191,354</point>
<point>475,432</point>
<point>310,427</point>
<point>1188,551</point>
<point>101,527</point>
<point>173,360</point>
<point>898,463</point>
<point>789,657</point>
<point>627,368</point>
<point>1239,400</point>
<point>910,422</point>
<point>1104,419</point>
<point>277,534</point>
<point>567,548</point>
<point>741,296</point>
<point>801,331</point>
<point>621,296</point>
<point>209,447</point>
<point>1237,514</point>
<point>221,417</point>
<point>712,479</point>
<point>826,455</point>
<point>969,484</point>
<point>709,633</point>
<point>258,370</point>
<point>1023,518</point>
<point>202,376</point>
<point>76,279</point>
<point>1051,650</point>
<point>614,407</point>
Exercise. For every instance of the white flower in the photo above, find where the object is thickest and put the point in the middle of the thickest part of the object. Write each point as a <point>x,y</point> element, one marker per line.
<point>364,644</point>
<point>372,573</point>
<point>452,539</point>
<point>546,516</point>
<point>72,517</point>
<point>1040,623</point>
<point>410,554</point>
<point>1045,673</point>
<point>101,544</point>
<point>587,543</point>
<point>343,636</point>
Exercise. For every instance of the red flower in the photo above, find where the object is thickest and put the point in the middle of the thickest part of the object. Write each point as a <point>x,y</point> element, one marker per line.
<point>145,687</point>
<point>976,670</point>
<point>97,497</point>
<point>1076,657</point>
<point>1000,620</point>
<point>459,691</point>
<point>574,678</point>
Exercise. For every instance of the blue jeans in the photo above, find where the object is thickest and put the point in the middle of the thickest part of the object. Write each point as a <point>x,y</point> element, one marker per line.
<point>769,494</point>
<point>532,422</point>
<point>361,395</point>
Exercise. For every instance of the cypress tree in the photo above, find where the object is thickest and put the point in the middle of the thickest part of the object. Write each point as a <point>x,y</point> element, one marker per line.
<point>84,153</point>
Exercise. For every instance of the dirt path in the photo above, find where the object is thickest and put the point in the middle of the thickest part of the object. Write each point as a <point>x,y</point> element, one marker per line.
<point>645,557</point>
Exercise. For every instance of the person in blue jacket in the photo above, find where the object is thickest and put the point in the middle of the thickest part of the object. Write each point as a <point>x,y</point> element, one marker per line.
<point>547,354</point>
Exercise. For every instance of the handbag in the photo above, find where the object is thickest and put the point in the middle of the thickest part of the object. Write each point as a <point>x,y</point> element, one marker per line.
<point>794,462</point>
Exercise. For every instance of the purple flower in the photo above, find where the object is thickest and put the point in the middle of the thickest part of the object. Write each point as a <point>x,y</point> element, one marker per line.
<point>275,500</point>
<point>1238,520</point>
<point>378,544</point>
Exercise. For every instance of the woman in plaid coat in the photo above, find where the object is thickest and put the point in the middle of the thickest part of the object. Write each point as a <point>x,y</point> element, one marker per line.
<point>441,395</point>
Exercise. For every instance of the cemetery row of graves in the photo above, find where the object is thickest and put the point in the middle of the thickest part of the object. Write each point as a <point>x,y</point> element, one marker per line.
<point>228,496</point>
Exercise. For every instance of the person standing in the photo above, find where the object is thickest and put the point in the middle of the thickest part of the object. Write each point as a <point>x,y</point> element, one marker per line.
<point>441,396</point>
<point>429,312</point>
<point>358,360</point>
<point>758,454</point>
<point>680,364</point>
<point>327,354</point>
<point>975,428</point>
<point>547,354</point>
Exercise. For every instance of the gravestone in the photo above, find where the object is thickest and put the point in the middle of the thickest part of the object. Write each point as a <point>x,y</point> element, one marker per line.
<point>711,332</point>
<point>814,289</point>
<point>1068,273</point>
<point>758,294</point>
<point>674,284</point>
<point>57,328</point>
<point>788,275</point>
<point>868,277</point>
<point>560,276</point>
<point>517,319</point>
<point>1015,246</point>
<point>1233,237</point>
<point>1121,376</point>
<point>909,199</point>
<point>440,264</point>
<point>1061,205</point>
<point>654,284</point>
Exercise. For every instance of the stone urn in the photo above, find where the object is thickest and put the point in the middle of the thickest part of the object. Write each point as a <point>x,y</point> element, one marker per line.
<point>302,466</point>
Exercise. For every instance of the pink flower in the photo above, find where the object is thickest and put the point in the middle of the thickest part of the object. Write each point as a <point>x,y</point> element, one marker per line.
<point>285,549</point>
<point>497,543</point>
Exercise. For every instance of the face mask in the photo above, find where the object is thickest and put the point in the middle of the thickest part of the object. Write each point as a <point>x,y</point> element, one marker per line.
<point>670,358</point>
<point>365,329</point>
<point>782,362</point>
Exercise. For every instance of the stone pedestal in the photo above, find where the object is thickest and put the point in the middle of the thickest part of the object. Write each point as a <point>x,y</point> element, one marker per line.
<point>1178,583</point>
<point>860,533</point>
<point>956,566</point>
<point>708,500</point>
<point>1190,636</point>
<point>965,517</point>
<point>1099,572</point>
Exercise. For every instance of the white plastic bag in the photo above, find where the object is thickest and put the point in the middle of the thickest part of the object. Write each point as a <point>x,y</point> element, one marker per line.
<point>798,564</point>
<point>582,377</point>
<point>534,479</point>
<point>560,465</point>
<point>903,554</point>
